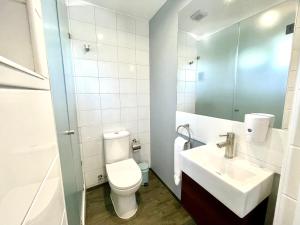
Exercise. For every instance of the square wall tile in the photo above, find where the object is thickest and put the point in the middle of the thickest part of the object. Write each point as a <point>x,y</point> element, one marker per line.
<point>286,211</point>
<point>83,67</point>
<point>110,101</point>
<point>127,70</point>
<point>107,53</point>
<point>143,100</point>
<point>292,174</point>
<point>142,27</point>
<point>143,72</point>
<point>94,162</point>
<point>289,99</point>
<point>143,126</point>
<point>295,126</point>
<point>82,31</point>
<point>126,39</point>
<point>131,126</point>
<point>106,35</point>
<point>89,133</point>
<point>82,13</point>
<point>127,86</point>
<point>112,127</point>
<point>88,101</point>
<point>128,100</point>
<point>144,113</point>
<point>88,117</point>
<point>129,114</point>
<point>126,55</point>
<point>142,43</point>
<point>78,50</point>
<point>105,18</point>
<point>92,178</point>
<point>86,85</point>
<point>142,57</point>
<point>107,69</point>
<point>111,116</point>
<point>292,80</point>
<point>125,23</point>
<point>143,86</point>
<point>109,85</point>
<point>91,148</point>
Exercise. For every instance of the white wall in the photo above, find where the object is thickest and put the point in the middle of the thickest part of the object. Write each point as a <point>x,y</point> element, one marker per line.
<point>31,191</point>
<point>288,197</point>
<point>111,81</point>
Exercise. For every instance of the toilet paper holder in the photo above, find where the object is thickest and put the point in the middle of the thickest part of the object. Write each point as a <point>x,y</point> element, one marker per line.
<point>136,145</point>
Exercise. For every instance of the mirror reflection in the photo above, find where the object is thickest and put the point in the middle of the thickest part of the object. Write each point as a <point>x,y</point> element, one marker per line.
<point>235,63</point>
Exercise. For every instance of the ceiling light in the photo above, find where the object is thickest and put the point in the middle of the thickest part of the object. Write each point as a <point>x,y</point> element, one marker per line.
<point>269,19</point>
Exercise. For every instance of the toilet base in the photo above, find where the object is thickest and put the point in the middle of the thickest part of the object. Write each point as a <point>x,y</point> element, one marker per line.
<point>125,205</point>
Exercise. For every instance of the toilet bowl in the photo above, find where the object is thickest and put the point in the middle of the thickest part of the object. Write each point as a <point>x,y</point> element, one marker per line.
<point>124,179</point>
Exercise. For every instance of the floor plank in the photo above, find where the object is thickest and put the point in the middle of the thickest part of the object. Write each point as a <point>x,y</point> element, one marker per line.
<point>156,206</point>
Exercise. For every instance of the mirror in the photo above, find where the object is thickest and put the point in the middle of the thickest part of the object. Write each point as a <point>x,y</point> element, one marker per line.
<point>234,57</point>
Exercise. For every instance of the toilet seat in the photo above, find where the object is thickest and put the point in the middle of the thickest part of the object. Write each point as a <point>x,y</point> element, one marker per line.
<point>124,174</point>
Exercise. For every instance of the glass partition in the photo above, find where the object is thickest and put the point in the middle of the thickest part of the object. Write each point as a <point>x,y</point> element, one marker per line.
<point>239,69</point>
<point>215,73</point>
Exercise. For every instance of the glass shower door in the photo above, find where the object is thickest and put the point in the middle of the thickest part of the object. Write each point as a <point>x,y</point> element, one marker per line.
<point>60,71</point>
<point>216,73</point>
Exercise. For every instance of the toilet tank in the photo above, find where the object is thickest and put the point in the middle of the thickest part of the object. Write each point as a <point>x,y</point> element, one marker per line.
<point>116,146</point>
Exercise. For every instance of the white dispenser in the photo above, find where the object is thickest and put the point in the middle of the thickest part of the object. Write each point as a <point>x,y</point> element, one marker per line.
<point>257,126</point>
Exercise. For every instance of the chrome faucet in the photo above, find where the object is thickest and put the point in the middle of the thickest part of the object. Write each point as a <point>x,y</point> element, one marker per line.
<point>228,144</point>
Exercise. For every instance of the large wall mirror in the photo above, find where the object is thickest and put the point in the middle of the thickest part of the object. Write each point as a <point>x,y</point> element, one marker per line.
<point>234,57</point>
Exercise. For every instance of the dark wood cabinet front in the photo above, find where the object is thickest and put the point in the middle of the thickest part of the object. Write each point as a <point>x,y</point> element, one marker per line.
<point>207,210</point>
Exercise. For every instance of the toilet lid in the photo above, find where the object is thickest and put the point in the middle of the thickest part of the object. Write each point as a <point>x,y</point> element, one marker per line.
<point>124,174</point>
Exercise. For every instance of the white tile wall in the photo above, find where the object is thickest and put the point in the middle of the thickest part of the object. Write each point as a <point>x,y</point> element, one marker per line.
<point>112,81</point>
<point>287,211</point>
<point>186,75</point>
<point>207,130</point>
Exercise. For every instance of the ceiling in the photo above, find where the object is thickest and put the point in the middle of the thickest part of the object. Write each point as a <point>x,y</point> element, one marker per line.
<point>138,8</point>
<point>220,14</point>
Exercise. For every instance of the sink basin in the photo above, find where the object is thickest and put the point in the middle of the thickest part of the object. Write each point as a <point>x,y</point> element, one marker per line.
<point>238,184</point>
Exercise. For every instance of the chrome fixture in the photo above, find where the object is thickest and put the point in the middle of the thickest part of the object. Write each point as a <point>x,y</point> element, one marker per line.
<point>228,144</point>
<point>87,47</point>
<point>187,127</point>
<point>69,132</point>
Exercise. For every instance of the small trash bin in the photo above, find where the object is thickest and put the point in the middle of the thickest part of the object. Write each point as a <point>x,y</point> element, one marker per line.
<point>145,170</point>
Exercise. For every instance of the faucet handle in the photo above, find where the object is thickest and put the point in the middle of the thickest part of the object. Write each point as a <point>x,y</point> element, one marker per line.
<point>223,135</point>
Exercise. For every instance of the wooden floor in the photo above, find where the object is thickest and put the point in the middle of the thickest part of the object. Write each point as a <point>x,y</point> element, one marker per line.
<point>157,206</point>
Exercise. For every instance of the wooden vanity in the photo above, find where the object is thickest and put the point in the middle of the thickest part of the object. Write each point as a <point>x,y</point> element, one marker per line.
<point>207,210</point>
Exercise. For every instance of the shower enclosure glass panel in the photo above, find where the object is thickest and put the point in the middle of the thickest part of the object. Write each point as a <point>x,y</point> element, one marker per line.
<point>60,74</point>
<point>216,73</point>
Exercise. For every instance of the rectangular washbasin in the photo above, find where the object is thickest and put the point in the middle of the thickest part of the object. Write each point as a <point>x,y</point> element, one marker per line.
<point>238,184</point>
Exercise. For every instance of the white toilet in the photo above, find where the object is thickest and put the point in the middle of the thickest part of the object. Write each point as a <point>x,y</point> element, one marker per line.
<point>124,175</point>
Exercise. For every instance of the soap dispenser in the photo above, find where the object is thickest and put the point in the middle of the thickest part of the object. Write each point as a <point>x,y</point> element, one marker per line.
<point>257,126</point>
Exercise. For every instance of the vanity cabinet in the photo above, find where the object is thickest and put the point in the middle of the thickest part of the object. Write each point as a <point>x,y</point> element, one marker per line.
<point>207,210</point>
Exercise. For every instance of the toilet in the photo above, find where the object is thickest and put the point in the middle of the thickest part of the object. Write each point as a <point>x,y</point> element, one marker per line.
<point>124,175</point>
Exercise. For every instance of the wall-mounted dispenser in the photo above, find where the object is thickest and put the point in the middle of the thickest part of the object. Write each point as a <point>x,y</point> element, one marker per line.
<point>257,126</point>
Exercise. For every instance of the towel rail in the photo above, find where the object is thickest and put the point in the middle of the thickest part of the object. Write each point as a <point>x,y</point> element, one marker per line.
<point>187,127</point>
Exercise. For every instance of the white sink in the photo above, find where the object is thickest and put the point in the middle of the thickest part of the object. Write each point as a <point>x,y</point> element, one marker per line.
<point>237,183</point>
